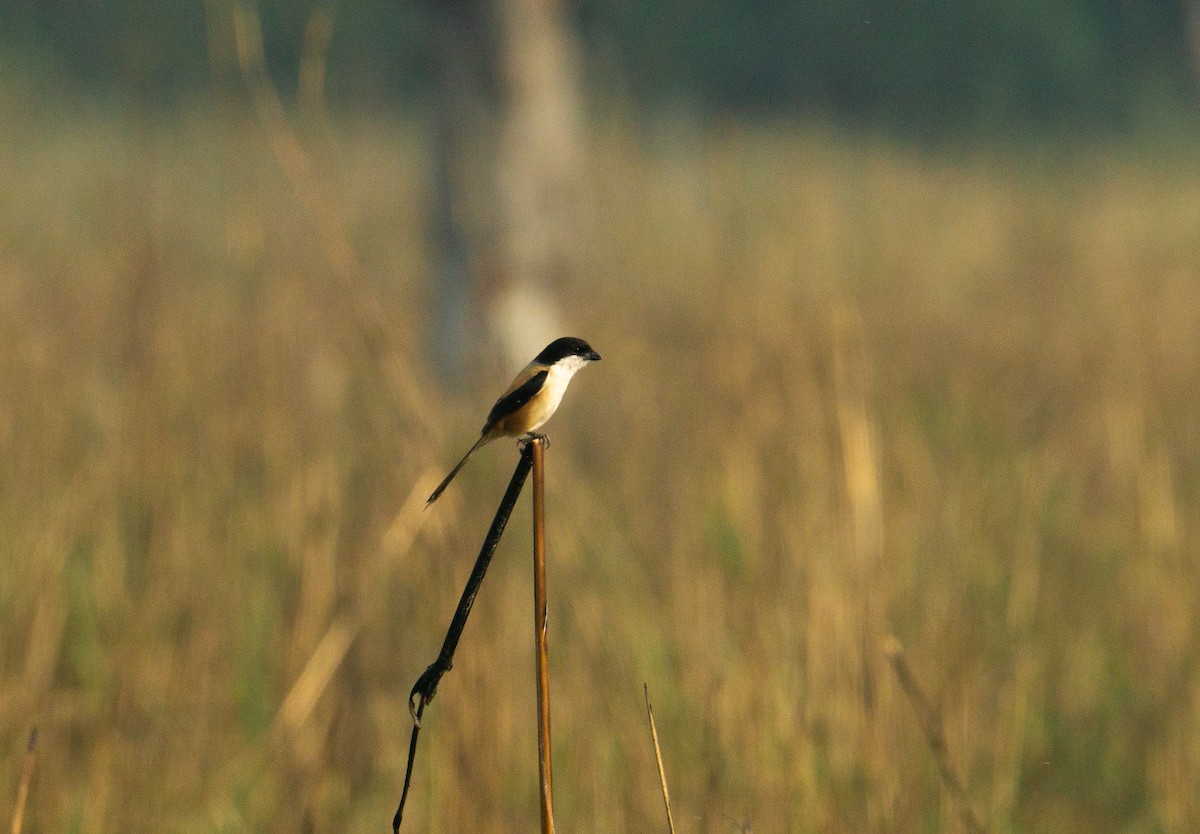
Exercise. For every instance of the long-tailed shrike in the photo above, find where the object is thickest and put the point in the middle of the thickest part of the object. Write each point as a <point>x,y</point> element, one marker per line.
<point>532,397</point>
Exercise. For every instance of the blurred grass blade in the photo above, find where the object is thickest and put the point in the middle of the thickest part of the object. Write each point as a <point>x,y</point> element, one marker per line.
<point>26,777</point>
<point>316,675</point>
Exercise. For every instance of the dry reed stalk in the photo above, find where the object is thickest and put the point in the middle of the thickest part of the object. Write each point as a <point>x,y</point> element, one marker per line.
<point>662,774</point>
<point>318,33</point>
<point>541,650</point>
<point>931,726</point>
<point>295,162</point>
<point>370,320</point>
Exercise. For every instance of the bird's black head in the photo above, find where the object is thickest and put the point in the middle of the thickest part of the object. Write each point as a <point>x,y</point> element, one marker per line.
<point>564,347</point>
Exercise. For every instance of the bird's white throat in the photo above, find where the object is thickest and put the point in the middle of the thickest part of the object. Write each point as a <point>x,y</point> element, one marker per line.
<point>557,377</point>
<point>568,365</point>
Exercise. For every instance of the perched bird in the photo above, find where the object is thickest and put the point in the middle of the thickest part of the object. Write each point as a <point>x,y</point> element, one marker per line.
<point>531,399</point>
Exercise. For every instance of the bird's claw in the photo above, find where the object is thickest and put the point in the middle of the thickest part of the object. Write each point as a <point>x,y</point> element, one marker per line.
<point>532,436</point>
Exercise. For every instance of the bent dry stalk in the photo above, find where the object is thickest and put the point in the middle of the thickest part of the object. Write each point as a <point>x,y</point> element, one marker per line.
<point>426,686</point>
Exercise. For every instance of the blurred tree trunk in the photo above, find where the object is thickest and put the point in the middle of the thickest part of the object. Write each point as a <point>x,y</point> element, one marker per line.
<point>506,172</point>
<point>537,171</point>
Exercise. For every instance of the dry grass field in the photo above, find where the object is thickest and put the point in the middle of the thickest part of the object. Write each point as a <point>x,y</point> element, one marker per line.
<point>954,399</point>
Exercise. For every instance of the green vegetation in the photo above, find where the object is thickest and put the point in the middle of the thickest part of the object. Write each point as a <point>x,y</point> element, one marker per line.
<point>952,400</point>
<point>928,70</point>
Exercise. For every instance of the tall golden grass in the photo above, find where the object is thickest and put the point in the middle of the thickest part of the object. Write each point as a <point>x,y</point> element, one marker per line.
<point>849,390</point>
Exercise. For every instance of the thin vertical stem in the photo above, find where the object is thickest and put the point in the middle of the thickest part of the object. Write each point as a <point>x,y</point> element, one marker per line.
<point>539,635</point>
<point>662,773</point>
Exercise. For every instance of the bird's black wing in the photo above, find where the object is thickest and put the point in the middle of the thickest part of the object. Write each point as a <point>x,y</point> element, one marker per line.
<point>516,398</point>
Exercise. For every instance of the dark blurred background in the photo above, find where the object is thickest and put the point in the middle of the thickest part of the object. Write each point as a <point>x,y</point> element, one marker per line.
<point>929,70</point>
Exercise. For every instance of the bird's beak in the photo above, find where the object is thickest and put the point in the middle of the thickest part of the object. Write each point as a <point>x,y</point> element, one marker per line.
<point>592,357</point>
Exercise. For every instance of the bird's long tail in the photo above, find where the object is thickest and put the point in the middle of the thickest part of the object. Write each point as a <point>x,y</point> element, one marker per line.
<point>483,438</point>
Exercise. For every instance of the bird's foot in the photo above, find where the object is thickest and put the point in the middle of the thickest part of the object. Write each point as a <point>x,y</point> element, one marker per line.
<point>532,436</point>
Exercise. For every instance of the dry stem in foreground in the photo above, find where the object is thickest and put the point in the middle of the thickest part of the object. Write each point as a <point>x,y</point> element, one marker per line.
<point>662,774</point>
<point>931,725</point>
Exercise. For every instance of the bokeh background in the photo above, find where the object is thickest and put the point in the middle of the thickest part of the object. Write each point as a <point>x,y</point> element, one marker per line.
<point>900,311</point>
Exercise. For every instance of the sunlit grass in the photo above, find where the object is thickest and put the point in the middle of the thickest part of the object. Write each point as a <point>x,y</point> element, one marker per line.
<point>848,390</point>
